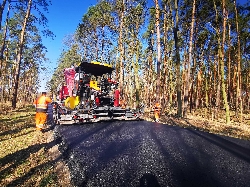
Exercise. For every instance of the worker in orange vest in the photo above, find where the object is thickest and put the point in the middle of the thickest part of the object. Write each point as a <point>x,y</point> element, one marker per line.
<point>123,103</point>
<point>41,104</point>
<point>157,109</point>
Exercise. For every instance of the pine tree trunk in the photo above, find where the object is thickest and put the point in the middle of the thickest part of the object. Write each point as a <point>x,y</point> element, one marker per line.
<point>217,105</point>
<point>150,70</point>
<point>103,32</point>
<point>96,45</point>
<point>157,25</point>
<point>189,62</point>
<point>229,65</point>
<point>121,49</point>
<point>178,63</point>
<point>248,92</point>
<point>238,92</point>
<point>19,55</point>
<point>206,95</point>
<point>223,86</point>
<point>192,83</point>
<point>218,90</point>
<point>165,63</point>
<point>136,72</point>
<point>171,89</point>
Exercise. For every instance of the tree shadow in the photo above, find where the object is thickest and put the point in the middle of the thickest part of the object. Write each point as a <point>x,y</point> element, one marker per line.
<point>19,181</point>
<point>235,149</point>
<point>13,134</point>
<point>67,146</point>
<point>15,130</point>
<point>5,120</point>
<point>70,147</point>
<point>10,119</point>
<point>219,140</point>
<point>15,159</point>
<point>193,172</point>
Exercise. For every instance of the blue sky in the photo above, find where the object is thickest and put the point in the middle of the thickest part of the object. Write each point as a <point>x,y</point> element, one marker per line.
<point>63,19</point>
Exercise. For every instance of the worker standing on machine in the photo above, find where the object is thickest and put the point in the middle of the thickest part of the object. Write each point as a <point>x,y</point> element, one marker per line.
<point>41,104</point>
<point>72,101</point>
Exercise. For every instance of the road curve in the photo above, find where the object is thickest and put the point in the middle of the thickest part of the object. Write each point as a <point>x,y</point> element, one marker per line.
<point>141,153</point>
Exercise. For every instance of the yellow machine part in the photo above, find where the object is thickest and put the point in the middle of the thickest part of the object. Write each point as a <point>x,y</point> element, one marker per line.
<point>103,64</point>
<point>72,102</point>
<point>93,84</point>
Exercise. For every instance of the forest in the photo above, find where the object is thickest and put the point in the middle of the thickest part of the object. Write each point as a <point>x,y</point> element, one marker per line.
<point>188,55</point>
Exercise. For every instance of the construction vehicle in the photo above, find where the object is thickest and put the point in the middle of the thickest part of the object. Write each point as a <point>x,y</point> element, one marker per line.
<point>92,96</point>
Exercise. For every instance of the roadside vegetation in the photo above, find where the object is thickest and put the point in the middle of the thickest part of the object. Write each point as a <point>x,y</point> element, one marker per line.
<point>200,120</point>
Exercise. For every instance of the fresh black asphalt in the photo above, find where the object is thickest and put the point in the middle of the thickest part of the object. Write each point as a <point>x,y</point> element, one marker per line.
<point>148,154</point>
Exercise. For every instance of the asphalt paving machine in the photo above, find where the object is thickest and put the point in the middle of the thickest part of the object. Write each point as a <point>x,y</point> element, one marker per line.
<point>91,95</point>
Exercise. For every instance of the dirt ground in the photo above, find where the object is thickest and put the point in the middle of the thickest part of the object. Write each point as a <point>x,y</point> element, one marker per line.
<point>61,168</point>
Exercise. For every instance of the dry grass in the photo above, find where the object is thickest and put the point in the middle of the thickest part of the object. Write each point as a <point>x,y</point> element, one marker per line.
<point>198,120</point>
<point>28,157</point>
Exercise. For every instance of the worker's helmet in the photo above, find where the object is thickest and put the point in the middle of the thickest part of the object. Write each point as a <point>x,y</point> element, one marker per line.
<point>157,104</point>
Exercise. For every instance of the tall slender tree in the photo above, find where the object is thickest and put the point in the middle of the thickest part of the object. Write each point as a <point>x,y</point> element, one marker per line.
<point>224,93</point>
<point>157,26</point>
<point>189,61</point>
<point>238,91</point>
<point>177,59</point>
<point>20,53</point>
<point>27,21</point>
<point>120,44</point>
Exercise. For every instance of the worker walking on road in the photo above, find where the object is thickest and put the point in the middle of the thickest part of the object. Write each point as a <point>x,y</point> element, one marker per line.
<point>41,104</point>
<point>157,109</point>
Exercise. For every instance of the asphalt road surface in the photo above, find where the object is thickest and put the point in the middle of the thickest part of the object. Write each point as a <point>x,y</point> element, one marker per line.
<point>147,154</point>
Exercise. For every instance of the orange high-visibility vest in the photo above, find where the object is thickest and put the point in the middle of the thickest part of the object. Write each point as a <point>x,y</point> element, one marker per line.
<point>157,107</point>
<point>42,103</point>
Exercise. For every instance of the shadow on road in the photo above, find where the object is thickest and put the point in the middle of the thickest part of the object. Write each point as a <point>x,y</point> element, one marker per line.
<point>182,162</point>
<point>173,156</point>
<point>239,151</point>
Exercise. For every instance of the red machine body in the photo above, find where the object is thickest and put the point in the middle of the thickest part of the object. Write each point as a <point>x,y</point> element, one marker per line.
<point>63,93</point>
